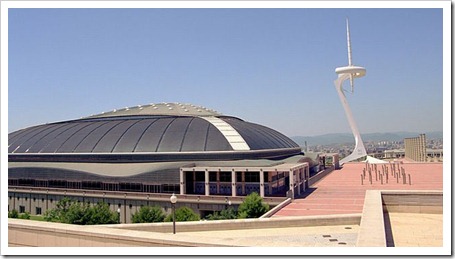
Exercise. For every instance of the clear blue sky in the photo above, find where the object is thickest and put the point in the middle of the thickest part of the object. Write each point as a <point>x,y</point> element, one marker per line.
<point>274,67</point>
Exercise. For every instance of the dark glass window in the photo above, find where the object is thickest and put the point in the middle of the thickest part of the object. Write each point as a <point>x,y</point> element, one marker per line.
<point>200,176</point>
<point>170,188</point>
<point>26,182</point>
<point>251,177</point>
<point>38,211</point>
<point>212,176</point>
<point>57,183</point>
<point>130,187</point>
<point>225,176</point>
<point>21,209</point>
<point>92,185</point>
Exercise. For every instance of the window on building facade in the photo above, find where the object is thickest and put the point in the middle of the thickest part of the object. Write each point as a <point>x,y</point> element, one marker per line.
<point>225,176</point>
<point>252,177</point>
<point>212,176</point>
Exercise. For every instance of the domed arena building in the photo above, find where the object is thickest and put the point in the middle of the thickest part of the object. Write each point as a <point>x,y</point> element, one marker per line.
<point>154,149</point>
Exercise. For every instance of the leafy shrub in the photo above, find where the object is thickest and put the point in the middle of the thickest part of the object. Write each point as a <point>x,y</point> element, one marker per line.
<point>72,212</point>
<point>224,214</point>
<point>24,215</point>
<point>13,214</point>
<point>148,214</point>
<point>183,214</point>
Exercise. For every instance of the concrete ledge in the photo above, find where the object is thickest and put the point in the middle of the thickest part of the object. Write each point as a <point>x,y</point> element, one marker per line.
<point>372,231</point>
<point>279,222</point>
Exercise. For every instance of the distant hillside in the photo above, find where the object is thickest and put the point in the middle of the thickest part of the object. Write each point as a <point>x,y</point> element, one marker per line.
<point>342,138</point>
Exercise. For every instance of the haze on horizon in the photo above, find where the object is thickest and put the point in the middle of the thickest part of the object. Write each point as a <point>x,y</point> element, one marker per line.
<point>273,67</point>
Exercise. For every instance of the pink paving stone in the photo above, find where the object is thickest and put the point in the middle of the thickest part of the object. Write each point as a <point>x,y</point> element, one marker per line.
<point>342,192</point>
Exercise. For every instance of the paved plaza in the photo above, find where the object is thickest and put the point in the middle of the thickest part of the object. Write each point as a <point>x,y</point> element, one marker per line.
<point>342,191</point>
<point>317,236</point>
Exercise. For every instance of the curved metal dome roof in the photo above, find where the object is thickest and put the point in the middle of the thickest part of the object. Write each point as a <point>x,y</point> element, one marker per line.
<point>156,128</point>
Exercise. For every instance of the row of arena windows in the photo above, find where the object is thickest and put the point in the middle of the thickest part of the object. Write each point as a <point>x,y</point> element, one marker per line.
<point>250,177</point>
<point>94,185</point>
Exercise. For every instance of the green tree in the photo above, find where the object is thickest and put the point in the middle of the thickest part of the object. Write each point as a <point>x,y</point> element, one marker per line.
<point>252,206</point>
<point>59,213</point>
<point>183,214</point>
<point>148,214</point>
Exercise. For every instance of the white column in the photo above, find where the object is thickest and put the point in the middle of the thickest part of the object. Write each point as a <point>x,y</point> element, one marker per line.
<point>291,183</point>
<point>299,182</point>
<point>307,173</point>
<point>261,183</point>
<point>182,182</point>
<point>207,185</point>
<point>234,184</point>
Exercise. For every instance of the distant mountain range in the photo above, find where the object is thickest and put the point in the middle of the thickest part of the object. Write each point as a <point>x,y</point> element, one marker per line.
<point>342,138</point>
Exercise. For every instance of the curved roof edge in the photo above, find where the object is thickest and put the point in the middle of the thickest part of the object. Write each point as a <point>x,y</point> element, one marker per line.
<point>139,157</point>
<point>170,109</point>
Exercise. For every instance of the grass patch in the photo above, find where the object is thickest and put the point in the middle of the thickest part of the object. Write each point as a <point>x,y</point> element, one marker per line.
<point>37,217</point>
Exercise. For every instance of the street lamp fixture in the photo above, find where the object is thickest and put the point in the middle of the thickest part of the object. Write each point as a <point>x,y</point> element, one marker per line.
<point>173,202</point>
<point>118,212</point>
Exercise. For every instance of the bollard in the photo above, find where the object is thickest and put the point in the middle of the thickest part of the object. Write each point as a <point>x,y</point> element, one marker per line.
<point>404,178</point>
<point>409,175</point>
<point>398,179</point>
<point>380,177</point>
<point>361,179</point>
<point>387,178</point>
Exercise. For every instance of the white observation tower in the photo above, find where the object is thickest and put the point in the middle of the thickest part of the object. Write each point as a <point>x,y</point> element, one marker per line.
<point>350,72</point>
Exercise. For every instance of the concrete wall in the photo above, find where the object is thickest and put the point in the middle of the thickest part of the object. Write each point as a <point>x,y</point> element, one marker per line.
<point>30,233</point>
<point>412,202</point>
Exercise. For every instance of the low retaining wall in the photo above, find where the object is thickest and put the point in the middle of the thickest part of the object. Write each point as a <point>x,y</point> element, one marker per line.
<point>281,222</point>
<point>412,202</point>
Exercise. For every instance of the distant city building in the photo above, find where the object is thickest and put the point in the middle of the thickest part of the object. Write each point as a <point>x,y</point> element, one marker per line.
<point>415,148</point>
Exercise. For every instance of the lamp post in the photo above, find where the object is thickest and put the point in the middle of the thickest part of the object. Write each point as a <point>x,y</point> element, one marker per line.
<point>173,202</point>
<point>118,212</point>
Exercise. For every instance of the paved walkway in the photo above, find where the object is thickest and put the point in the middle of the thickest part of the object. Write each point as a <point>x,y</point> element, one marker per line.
<point>342,192</point>
<point>317,236</point>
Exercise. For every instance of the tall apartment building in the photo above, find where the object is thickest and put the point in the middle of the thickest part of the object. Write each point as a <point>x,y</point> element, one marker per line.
<point>415,148</point>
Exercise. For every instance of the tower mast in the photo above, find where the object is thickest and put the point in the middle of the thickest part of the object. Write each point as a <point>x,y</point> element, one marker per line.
<point>344,73</point>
